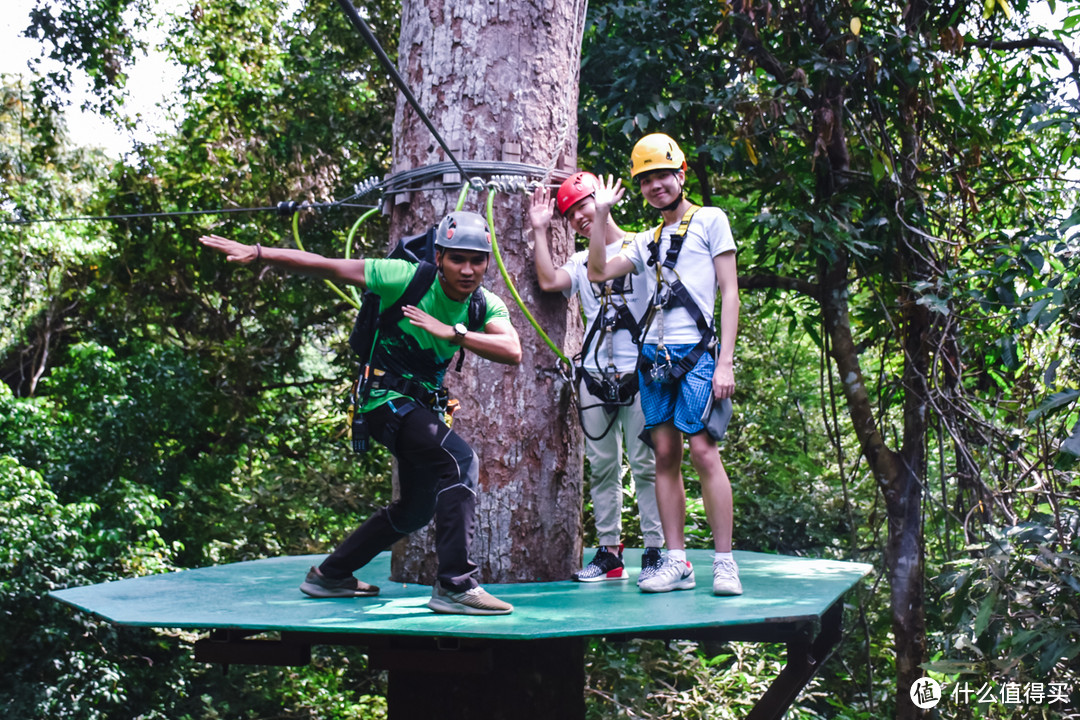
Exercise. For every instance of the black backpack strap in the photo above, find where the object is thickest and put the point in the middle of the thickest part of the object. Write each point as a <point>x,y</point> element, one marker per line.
<point>371,321</point>
<point>419,284</point>
<point>477,310</point>
<point>384,320</point>
<point>475,322</point>
<point>417,287</point>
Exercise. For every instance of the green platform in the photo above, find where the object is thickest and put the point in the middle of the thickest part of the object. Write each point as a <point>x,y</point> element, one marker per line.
<point>263,595</point>
<point>786,599</point>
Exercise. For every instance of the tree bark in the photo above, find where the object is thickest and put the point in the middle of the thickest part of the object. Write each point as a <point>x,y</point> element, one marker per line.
<point>499,82</point>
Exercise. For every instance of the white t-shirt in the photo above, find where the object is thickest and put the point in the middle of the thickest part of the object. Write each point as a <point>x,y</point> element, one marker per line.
<point>709,235</point>
<point>635,295</point>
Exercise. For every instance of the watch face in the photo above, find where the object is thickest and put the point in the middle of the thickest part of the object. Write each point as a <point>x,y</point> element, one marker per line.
<point>460,329</point>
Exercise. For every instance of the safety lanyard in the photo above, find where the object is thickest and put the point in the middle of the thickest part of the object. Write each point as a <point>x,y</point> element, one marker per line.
<point>621,318</point>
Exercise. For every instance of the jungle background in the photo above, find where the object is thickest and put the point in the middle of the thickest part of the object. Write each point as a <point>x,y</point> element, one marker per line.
<point>162,410</point>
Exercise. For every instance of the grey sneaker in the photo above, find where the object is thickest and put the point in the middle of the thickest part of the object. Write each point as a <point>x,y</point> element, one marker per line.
<point>476,601</point>
<point>318,586</point>
<point>650,563</point>
<point>605,565</point>
<point>672,575</point>
<point>725,578</point>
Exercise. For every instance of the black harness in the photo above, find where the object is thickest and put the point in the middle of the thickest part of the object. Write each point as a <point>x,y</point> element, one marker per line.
<point>372,378</point>
<point>671,294</point>
<point>614,390</point>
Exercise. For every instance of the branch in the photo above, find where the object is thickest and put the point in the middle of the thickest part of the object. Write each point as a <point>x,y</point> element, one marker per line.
<point>765,280</point>
<point>1032,43</point>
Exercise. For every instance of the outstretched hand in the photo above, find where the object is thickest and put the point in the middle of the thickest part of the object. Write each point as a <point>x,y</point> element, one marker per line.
<point>609,192</point>
<point>541,209</point>
<point>234,251</point>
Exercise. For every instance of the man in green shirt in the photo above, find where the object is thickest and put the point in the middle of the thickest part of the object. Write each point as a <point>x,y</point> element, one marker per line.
<point>437,470</point>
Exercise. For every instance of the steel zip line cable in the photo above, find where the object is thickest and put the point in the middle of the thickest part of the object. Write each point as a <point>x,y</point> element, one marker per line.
<point>373,43</point>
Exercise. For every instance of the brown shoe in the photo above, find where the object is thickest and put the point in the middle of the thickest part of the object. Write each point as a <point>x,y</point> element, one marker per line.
<point>319,586</point>
<point>476,601</point>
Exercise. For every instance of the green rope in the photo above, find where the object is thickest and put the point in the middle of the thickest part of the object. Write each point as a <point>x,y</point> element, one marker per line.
<point>461,197</point>
<point>355,300</point>
<point>331,285</point>
<point>349,244</point>
<point>510,283</point>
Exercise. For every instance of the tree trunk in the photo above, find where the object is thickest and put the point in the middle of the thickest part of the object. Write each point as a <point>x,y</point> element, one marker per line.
<point>499,82</point>
<point>898,474</point>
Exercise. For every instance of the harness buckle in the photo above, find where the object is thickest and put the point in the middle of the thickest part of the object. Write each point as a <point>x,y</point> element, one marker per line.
<point>440,399</point>
<point>660,372</point>
<point>663,296</point>
<point>611,387</point>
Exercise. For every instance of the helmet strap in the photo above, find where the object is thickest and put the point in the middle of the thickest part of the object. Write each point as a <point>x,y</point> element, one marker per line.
<point>671,206</point>
<point>678,200</point>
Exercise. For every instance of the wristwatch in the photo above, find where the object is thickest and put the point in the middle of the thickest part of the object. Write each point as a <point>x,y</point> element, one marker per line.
<point>459,333</point>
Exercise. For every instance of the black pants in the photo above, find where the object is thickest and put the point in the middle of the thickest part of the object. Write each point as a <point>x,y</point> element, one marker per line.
<point>438,476</point>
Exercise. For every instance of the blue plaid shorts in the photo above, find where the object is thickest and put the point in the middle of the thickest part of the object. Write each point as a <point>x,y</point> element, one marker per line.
<point>683,401</point>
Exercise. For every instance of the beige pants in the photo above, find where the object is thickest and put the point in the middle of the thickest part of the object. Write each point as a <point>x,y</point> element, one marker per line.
<point>606,470</point>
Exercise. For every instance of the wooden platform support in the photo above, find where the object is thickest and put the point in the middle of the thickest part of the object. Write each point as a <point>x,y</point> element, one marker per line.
<point>480,679</point>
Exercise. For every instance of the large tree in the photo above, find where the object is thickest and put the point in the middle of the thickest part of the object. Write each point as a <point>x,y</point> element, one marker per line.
<point>499,84</point>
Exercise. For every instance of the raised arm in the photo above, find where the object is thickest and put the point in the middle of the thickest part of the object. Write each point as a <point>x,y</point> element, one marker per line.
<point>294,261</point>
<point>550,278</point>
<point>600,268</point>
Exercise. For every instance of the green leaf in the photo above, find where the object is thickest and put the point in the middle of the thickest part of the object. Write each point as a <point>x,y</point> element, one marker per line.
<point>986,611</point>
<point>1036,310</point>
<point>1053,404</point>
<point>1071,444</point>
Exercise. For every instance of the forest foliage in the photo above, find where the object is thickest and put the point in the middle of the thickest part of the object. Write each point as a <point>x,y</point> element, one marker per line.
<point>162,410</point>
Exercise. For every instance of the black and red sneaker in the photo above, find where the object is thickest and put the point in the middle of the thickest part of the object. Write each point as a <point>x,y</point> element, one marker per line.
<point>605,565</point>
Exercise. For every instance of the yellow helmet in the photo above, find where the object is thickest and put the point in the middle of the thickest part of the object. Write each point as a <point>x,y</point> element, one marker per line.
<point>656,152</point>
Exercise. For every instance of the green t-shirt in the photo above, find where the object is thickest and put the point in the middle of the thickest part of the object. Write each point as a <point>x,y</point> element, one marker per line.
<point>408,351</point>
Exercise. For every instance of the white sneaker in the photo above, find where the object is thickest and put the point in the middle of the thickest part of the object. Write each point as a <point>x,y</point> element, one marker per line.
<point>672,575</point>
<point>725,578</point>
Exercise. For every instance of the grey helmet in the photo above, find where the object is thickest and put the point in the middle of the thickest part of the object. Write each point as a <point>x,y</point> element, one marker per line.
<point>463,231</point>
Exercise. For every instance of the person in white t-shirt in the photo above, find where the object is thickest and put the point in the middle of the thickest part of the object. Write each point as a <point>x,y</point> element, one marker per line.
<point>606,374</point>
<point>687,367</point>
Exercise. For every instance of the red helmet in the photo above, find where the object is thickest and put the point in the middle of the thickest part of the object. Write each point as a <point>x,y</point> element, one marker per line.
<point>577,187</point>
